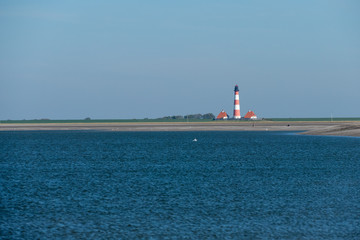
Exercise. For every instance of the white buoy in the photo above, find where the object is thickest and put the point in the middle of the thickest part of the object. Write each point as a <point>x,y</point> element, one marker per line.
<point>194,140</point>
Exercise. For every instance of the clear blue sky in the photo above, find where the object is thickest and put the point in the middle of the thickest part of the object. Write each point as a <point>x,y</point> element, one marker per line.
<point>136,59</point>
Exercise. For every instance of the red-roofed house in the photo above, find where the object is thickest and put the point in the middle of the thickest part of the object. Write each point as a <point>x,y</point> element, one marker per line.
<point>222,115</point>
<point>250,115</point>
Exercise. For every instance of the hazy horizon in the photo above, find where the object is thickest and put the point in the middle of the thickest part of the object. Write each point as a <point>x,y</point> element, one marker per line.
<point>139,59</point>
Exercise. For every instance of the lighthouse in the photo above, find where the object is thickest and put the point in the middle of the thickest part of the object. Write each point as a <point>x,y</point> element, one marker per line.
<point>236,103</point>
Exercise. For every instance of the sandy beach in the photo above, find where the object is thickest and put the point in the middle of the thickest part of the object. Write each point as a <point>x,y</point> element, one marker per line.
<point>346,128</point>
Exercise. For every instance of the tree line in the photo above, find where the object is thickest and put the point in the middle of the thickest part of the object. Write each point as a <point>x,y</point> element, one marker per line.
<point>191,116</point>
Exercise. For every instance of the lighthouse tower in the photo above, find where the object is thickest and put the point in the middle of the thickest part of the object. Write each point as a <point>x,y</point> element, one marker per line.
<point>236,103</point>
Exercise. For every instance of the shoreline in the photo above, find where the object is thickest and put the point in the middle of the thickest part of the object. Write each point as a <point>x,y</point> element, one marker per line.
<point>339,128</point>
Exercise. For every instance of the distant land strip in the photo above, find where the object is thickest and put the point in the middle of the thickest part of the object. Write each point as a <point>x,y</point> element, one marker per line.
<point>331,128</point>
<point>162,120</point>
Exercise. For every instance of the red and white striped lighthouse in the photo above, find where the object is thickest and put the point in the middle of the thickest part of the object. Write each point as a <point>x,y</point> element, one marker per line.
<point>236,103</point>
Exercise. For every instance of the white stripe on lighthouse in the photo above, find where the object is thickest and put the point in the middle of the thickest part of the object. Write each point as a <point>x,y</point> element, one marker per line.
<point>236,96</point>
<point>237,107</point>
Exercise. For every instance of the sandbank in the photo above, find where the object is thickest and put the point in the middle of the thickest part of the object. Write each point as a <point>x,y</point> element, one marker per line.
<point>339,128</point>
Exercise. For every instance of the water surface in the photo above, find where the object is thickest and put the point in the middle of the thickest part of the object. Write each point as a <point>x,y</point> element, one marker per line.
<point>126,185</point>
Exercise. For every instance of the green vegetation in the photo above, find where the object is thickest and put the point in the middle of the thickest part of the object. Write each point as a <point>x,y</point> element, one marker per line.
<point>198,116</point>
<point>310,119</point>
<point>188,118</point>
<point>106,121</point>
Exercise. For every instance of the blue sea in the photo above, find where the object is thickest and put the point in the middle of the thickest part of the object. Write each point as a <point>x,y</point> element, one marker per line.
<point>163,185</point>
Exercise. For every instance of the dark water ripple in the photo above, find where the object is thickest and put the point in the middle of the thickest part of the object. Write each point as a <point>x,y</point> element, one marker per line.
<point>228,185</point>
